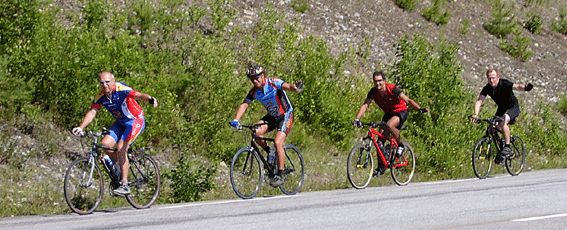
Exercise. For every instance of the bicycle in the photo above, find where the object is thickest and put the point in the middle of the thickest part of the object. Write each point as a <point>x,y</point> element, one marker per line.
<point>483,154</point>
<point>360,163</point>
<point>249,167</point>
<point>84,184</point>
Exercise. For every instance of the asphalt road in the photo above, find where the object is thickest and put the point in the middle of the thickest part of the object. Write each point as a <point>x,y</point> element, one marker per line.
<point>533,200</point>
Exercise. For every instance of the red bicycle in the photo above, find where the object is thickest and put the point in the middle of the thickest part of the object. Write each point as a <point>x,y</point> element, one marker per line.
<point>360,164</point>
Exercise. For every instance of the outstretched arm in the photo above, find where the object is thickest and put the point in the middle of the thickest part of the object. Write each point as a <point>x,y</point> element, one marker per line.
<point>297,87</point>
<point>147,98</point>
<point>413,104</point>
<point>521,87</point>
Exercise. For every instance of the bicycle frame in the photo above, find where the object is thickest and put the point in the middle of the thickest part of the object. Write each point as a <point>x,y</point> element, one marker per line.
<point>493,132</point>
<point>376,136</point>
<point>270,168</point>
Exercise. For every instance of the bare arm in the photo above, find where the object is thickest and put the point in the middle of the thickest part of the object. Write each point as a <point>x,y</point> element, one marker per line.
<point>478,103</point>
<point>146,98</point>
<point>522,87</point>
<point>411,102</point>
<point>297,87</point>
<point>241,110</point>
<point>88,118</point>
<point>363,108</point>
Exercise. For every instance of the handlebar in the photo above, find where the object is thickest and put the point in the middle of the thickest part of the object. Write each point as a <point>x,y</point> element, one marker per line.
<point>255,126</point>
<point>492,120</point>
<point>372,124</point>
<point>91,133</point>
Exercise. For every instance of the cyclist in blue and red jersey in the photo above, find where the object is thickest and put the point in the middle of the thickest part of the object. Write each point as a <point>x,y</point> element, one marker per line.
<point>501,91</point>
<point>394,104</point>
<point>271,93</point>
<point>120,101</point>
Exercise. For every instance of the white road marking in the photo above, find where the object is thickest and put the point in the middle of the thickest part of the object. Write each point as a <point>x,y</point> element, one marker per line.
<point>541,217</point>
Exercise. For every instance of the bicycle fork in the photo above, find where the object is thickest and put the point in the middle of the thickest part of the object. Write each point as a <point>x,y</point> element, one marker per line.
<point>88,170</point>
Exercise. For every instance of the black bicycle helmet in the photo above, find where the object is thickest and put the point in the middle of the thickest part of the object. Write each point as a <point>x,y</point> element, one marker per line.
<point>254,71</point>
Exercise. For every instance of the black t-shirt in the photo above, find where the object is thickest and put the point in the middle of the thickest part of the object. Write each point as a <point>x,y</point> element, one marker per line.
<point>503,95</point>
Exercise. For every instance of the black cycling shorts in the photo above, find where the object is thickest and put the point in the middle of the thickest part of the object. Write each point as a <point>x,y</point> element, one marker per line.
<point>403,115</point>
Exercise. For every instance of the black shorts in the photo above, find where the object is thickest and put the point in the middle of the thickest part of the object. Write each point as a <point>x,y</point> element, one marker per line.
<point>403,115</point>
<point>282,123</point>
<point>512,112</point>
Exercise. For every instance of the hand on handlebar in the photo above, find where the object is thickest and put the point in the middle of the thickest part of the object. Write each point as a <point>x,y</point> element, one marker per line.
<point>529,87</point>
<point>357,123</point>
<point>236,124</point>
<point>474,119</point>
<point>78,131</point>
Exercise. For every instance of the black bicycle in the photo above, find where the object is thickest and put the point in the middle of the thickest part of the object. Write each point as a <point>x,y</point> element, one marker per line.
<point>84,184</point>
<point>488,149</point>
<point>249,167</point>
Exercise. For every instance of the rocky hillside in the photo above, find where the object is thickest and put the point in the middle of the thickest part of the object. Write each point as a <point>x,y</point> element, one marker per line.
<point>349,23</point>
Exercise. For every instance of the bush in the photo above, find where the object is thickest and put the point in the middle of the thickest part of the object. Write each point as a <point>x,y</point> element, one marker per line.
<point>534,23</point>
<point>561,25</point>
<point>408,5</point>
<point>520,49</point>
<point>503,22</point>
<point>189,180</point>
<point>300,5</point>
<point>434,14</point>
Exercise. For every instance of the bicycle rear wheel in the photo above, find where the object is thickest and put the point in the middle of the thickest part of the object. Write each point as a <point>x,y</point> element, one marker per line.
<point>403,168</point>
<point>144,181</point>
<point>482,158</point>
<point>246,173</point>
<point>83,185</point>
<point>515,162</point>
<point>293,173</point>
<point>360,165</point>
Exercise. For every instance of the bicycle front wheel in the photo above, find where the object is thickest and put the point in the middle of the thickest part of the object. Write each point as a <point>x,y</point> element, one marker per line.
<point>402,168</point>
<point>246,173</point>
<point>144,181</point>
<point>482,158</point>
<point>293,173</point>
<point>360,165</point>
<point>83,185</point>
<point>515,162</point>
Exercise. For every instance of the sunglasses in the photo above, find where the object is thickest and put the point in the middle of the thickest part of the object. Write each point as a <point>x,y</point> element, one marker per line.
<point>105,82</point>
<point>254,77</point>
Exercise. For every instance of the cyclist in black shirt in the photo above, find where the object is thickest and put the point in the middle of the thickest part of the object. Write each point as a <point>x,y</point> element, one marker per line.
<point>500,90</point>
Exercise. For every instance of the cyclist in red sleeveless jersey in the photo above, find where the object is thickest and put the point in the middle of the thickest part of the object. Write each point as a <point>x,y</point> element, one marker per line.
<point>394,104</point>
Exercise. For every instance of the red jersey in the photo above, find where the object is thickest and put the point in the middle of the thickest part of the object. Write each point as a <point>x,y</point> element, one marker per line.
<point>391,101</point>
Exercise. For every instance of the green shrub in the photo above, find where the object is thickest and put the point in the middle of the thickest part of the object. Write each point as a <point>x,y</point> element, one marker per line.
<point>434,14</point>
<point>520,49</point>
<point>408,5</point>
<point>464,29</point>
<point>18,20</point>
<point>189,180</point>
<point>534,23</point>
<point>561,25</point>
<point>300,5</point>
<point>502,22</point>
<point>562,104</point>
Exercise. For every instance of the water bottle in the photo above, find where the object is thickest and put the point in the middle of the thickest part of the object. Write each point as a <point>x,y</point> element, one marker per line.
<point>109,164</point>
<point>387,151</point>
<point>381,145</point>
<point>272,156</point>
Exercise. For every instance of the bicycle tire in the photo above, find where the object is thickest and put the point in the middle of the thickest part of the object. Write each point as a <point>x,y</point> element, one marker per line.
<point>482,158</point>
<point>360,165</point>
<point>402,175</point>
<point>246,173</point>
<point>144,180</point>
<point>294,171</point>
<point>83,198</point>
<point>515,162</point>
